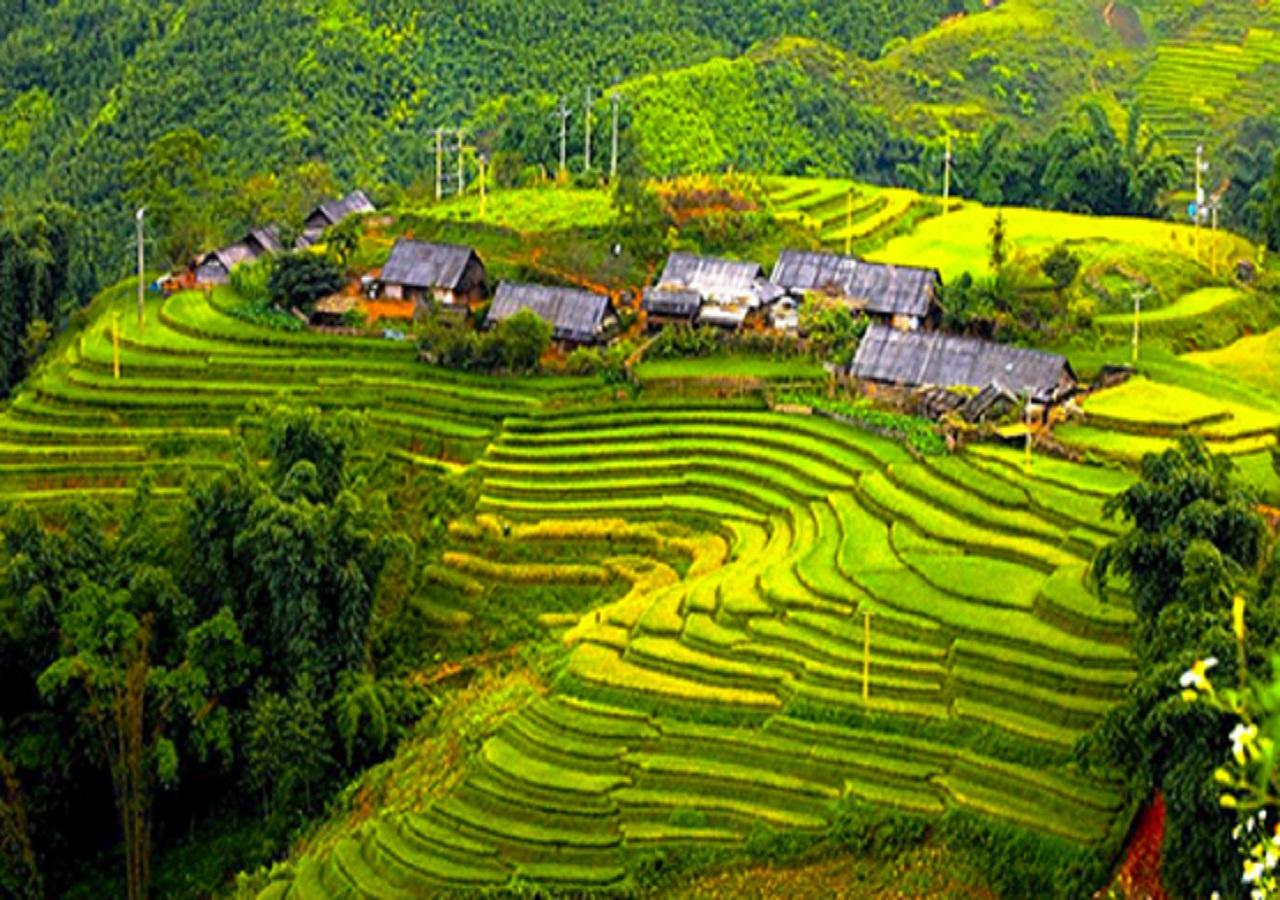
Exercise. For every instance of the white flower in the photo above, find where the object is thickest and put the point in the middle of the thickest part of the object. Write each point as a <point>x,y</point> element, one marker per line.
<point>1195,676</point>
<point>1252,871</point>
<point>1242,738</point>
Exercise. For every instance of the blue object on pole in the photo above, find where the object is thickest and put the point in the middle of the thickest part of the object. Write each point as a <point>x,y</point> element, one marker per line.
<point>1192,209</point>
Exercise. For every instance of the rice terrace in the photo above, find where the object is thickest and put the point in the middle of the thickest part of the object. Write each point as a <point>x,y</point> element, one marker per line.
<point>793,449</point>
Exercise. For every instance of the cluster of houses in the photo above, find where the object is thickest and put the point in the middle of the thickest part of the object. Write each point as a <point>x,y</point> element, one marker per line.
<point>902,348</point>
<point>215,266</point>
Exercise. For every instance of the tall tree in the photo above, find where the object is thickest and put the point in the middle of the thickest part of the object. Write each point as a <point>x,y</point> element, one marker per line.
<point>1196,542</point>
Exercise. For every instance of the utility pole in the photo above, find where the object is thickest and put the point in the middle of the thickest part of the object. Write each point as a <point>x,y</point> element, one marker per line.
<point>141,265</point>
<point>586,147</point>
<point>848,223</point>
<point>564,133</point>
<point>1137,312</point>
<point>480,160</point>
<point>614,100</point>
<point>1213,239</point>
<point>1200,169</point>
<point>439,163</point>
<point>946,176</point>
<point>866,656</point>
<point>115,343</point>
<point>460,182</point>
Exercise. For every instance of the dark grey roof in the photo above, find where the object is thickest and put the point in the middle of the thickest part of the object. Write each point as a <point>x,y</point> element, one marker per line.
<point>575,315</point>
<point>673,302</point>
<point>334,211</point>
<point>710,276</point>
<point>894,290</point>
<point>422,265</point>
<point>268,238</point>
<point>917,358</point>
<point>800,270</point>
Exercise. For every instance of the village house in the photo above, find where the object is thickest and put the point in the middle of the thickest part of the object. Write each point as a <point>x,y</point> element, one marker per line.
<point>449,276</point>
<point>727,290</point>
<point>917,359</point>
<point>670,306</point>
<point>215,267</point>
<point>576,316</point>
<point>331,212</point>
<point>905,297</point>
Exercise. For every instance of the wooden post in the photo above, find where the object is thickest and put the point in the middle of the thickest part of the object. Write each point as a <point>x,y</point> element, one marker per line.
<point>848,223</point>
<point>115,343</point>
<point>866,656</point>
<point>141,265</point>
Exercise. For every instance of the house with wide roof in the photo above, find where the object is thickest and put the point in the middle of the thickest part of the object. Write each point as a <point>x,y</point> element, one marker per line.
<point>576,316</point>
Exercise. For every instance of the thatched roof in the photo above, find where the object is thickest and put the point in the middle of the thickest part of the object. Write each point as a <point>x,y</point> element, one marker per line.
<point>918,358</point>
<point>671,302</point>
<point>419,264</point>
<point>574,315</point>
<point>715,279</point>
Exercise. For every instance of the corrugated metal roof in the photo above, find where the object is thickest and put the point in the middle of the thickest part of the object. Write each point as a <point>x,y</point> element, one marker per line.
<point>267,238</point>
<point>663,302</point>
<point>419,264</point>
<point>714,278</point>
<point>334,211</point>
<point>894,290</point>
<point>917,358</point>
<point>800,270</point>
<point>575,315</point>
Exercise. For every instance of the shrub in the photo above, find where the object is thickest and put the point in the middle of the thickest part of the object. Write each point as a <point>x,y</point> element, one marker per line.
<point>250,280</point>
<point>300,279</point>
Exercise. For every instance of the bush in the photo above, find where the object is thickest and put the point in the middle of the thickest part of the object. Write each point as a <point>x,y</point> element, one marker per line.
<point>300,279</point>
<point>677,343</point>
<point>250,280</point>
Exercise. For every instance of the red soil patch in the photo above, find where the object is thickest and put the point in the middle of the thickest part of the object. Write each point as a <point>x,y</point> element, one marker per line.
<point>1139,876</point>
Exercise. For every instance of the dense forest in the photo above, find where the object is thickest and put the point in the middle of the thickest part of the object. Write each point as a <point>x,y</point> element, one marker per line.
<point>84,86</point>
<point>211,663</point>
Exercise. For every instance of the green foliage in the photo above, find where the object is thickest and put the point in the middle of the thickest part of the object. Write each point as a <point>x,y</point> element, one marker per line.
<point>917,432</point>
<point>676,343</point>
<point>832,327</point>
<point>39,273</point>
<point>1061,267</point>
<point>1269,202</point>
<point>301,278</point>
<point>1196,542</point>
<point>514,345</point>
<point>252,280</point>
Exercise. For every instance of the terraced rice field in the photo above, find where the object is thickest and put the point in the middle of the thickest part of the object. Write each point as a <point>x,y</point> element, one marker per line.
<point>694,711</point>
<point>904,227</point>
<point>188,376</point>
<point>1144,415</point>
<point>697,712</point>
<point>1225,54</point>
<point>839,210</point>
